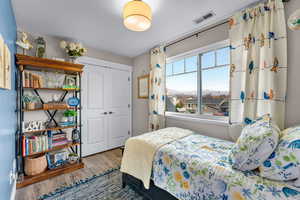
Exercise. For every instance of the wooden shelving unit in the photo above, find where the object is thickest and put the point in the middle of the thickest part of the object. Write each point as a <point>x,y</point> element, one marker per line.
<point>47,65</point>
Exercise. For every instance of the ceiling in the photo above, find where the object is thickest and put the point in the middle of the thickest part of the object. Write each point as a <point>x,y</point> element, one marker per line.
<point>98,23</point>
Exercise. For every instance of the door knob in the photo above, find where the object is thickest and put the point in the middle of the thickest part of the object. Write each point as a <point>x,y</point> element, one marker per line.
<point>111,112</point>
<point>105,113</point>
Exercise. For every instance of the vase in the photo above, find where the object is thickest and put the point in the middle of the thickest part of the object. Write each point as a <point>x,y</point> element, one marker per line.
<point>72,59</point>
<point>64,119</point>
<point>73,159</point>
<point>70,119</point>
<point>40,47</point>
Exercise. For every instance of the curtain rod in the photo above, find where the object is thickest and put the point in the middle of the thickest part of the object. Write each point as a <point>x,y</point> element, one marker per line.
<point>196,34</point>
<point>204,30</point>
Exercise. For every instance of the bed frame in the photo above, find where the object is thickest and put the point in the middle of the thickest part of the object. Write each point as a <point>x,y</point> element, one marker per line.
<point>154,193</point>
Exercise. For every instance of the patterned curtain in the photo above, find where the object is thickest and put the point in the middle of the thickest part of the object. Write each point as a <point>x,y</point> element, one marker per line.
<point>157,104</point>
<point>259,63</point>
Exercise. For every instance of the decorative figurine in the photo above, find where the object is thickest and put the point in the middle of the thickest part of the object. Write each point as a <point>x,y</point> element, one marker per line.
<point>76,136</point>
<point>24,43</point>
<point>73,101</point>
<point>40,47</point>
<point>70,82</point>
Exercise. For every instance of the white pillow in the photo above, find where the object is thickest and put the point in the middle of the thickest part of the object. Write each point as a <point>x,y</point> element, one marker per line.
<point>256,143</point>
<point>284,163</point>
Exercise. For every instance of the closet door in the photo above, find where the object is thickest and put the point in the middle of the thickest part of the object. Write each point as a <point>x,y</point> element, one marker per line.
<point>94,97</point>
<point>119,119</point>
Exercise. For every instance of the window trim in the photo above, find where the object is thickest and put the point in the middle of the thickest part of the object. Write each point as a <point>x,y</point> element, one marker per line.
<point>199,116</point>
<point>207,119</point>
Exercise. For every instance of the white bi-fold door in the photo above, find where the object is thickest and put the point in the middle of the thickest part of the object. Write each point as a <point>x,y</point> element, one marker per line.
<point>106,107</point>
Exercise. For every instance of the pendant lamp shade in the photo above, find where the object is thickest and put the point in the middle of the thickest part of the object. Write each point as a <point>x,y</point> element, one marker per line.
<point>137,15</point>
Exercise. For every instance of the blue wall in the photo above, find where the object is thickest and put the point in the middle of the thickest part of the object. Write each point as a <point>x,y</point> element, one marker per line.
<point>8,118</point>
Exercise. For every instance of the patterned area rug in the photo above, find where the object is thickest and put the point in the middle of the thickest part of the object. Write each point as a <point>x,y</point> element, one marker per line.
<point>106,186</point>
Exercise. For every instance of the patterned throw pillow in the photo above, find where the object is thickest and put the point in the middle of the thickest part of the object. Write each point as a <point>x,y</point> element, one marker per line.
<point>257,142</point>
<point>284,162</point>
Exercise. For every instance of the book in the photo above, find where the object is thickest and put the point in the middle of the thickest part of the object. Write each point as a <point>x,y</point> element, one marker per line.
<point>63,142</point>
<point>31,79</point>
<point>35,144</point>
<point>50,135</point>
<point>23,146</point>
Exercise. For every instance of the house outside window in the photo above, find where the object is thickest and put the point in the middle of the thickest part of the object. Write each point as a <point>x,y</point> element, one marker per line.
<point>198,82</point>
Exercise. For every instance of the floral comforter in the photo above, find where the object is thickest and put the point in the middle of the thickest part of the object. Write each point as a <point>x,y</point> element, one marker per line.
<point>197,168</point>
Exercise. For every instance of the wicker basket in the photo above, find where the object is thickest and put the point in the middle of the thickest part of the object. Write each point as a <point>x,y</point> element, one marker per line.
<point>30,106</point>
<point>35,165</point>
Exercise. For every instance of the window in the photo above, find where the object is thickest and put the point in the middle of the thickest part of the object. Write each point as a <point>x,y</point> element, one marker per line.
<point>199,84</point>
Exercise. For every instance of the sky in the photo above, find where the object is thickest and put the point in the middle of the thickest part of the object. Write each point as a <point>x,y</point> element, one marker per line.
<point>216,79</point>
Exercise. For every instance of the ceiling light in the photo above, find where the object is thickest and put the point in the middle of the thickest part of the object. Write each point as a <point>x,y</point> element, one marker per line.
<point>137,15</point>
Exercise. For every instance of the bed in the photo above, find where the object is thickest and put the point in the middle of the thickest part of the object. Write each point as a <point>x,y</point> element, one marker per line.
<point>196,167</point>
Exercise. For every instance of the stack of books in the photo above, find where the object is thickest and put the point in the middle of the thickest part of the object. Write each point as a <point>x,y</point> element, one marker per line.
<point>32,80</point>
<point>35,144</point>
<point>59,139</point>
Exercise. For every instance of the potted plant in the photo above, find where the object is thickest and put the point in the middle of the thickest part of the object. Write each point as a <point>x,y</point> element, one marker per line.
<point>74,50</point>
<point>73,158</point>
<point>30,101</point>
<point>70,114</point>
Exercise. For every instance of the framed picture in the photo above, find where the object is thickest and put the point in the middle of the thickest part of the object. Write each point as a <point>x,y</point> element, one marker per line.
<point>5,65</point>
<point>70,82</point>
<point>143,87</point>
<point>2,72</point>
<point>7,68</point>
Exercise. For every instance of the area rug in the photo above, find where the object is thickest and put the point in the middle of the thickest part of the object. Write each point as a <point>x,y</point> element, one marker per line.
<point>105,186</point>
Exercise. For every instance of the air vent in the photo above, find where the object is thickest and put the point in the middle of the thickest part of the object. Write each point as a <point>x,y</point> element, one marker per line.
<point>204,17</point>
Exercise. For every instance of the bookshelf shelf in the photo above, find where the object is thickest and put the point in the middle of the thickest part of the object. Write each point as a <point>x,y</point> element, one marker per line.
<point>34,76</point>
<point>70,144</point>
<point>51,129</point>
<point>28,180</point>
<point>42,64</point>
<point>44,109</point>
<point>58,89</point>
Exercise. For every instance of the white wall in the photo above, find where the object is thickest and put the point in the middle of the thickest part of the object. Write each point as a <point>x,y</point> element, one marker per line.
<point>141,66</point>
<point>53,50</point>
<point>218,34</point>
<point>293,90</point>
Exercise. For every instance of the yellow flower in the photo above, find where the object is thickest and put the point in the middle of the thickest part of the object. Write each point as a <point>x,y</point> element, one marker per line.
<point>186,185</point>
<point>167,159</point>
<point>207,148</point>
<point>220,169</point>
<point>237,196</point>
<point>178,176</point>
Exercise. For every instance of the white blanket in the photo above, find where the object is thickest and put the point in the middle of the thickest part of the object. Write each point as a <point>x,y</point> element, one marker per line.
<point>140,151</point>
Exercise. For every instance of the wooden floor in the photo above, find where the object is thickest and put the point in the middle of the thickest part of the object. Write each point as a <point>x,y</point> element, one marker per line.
<point>95,164</point>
